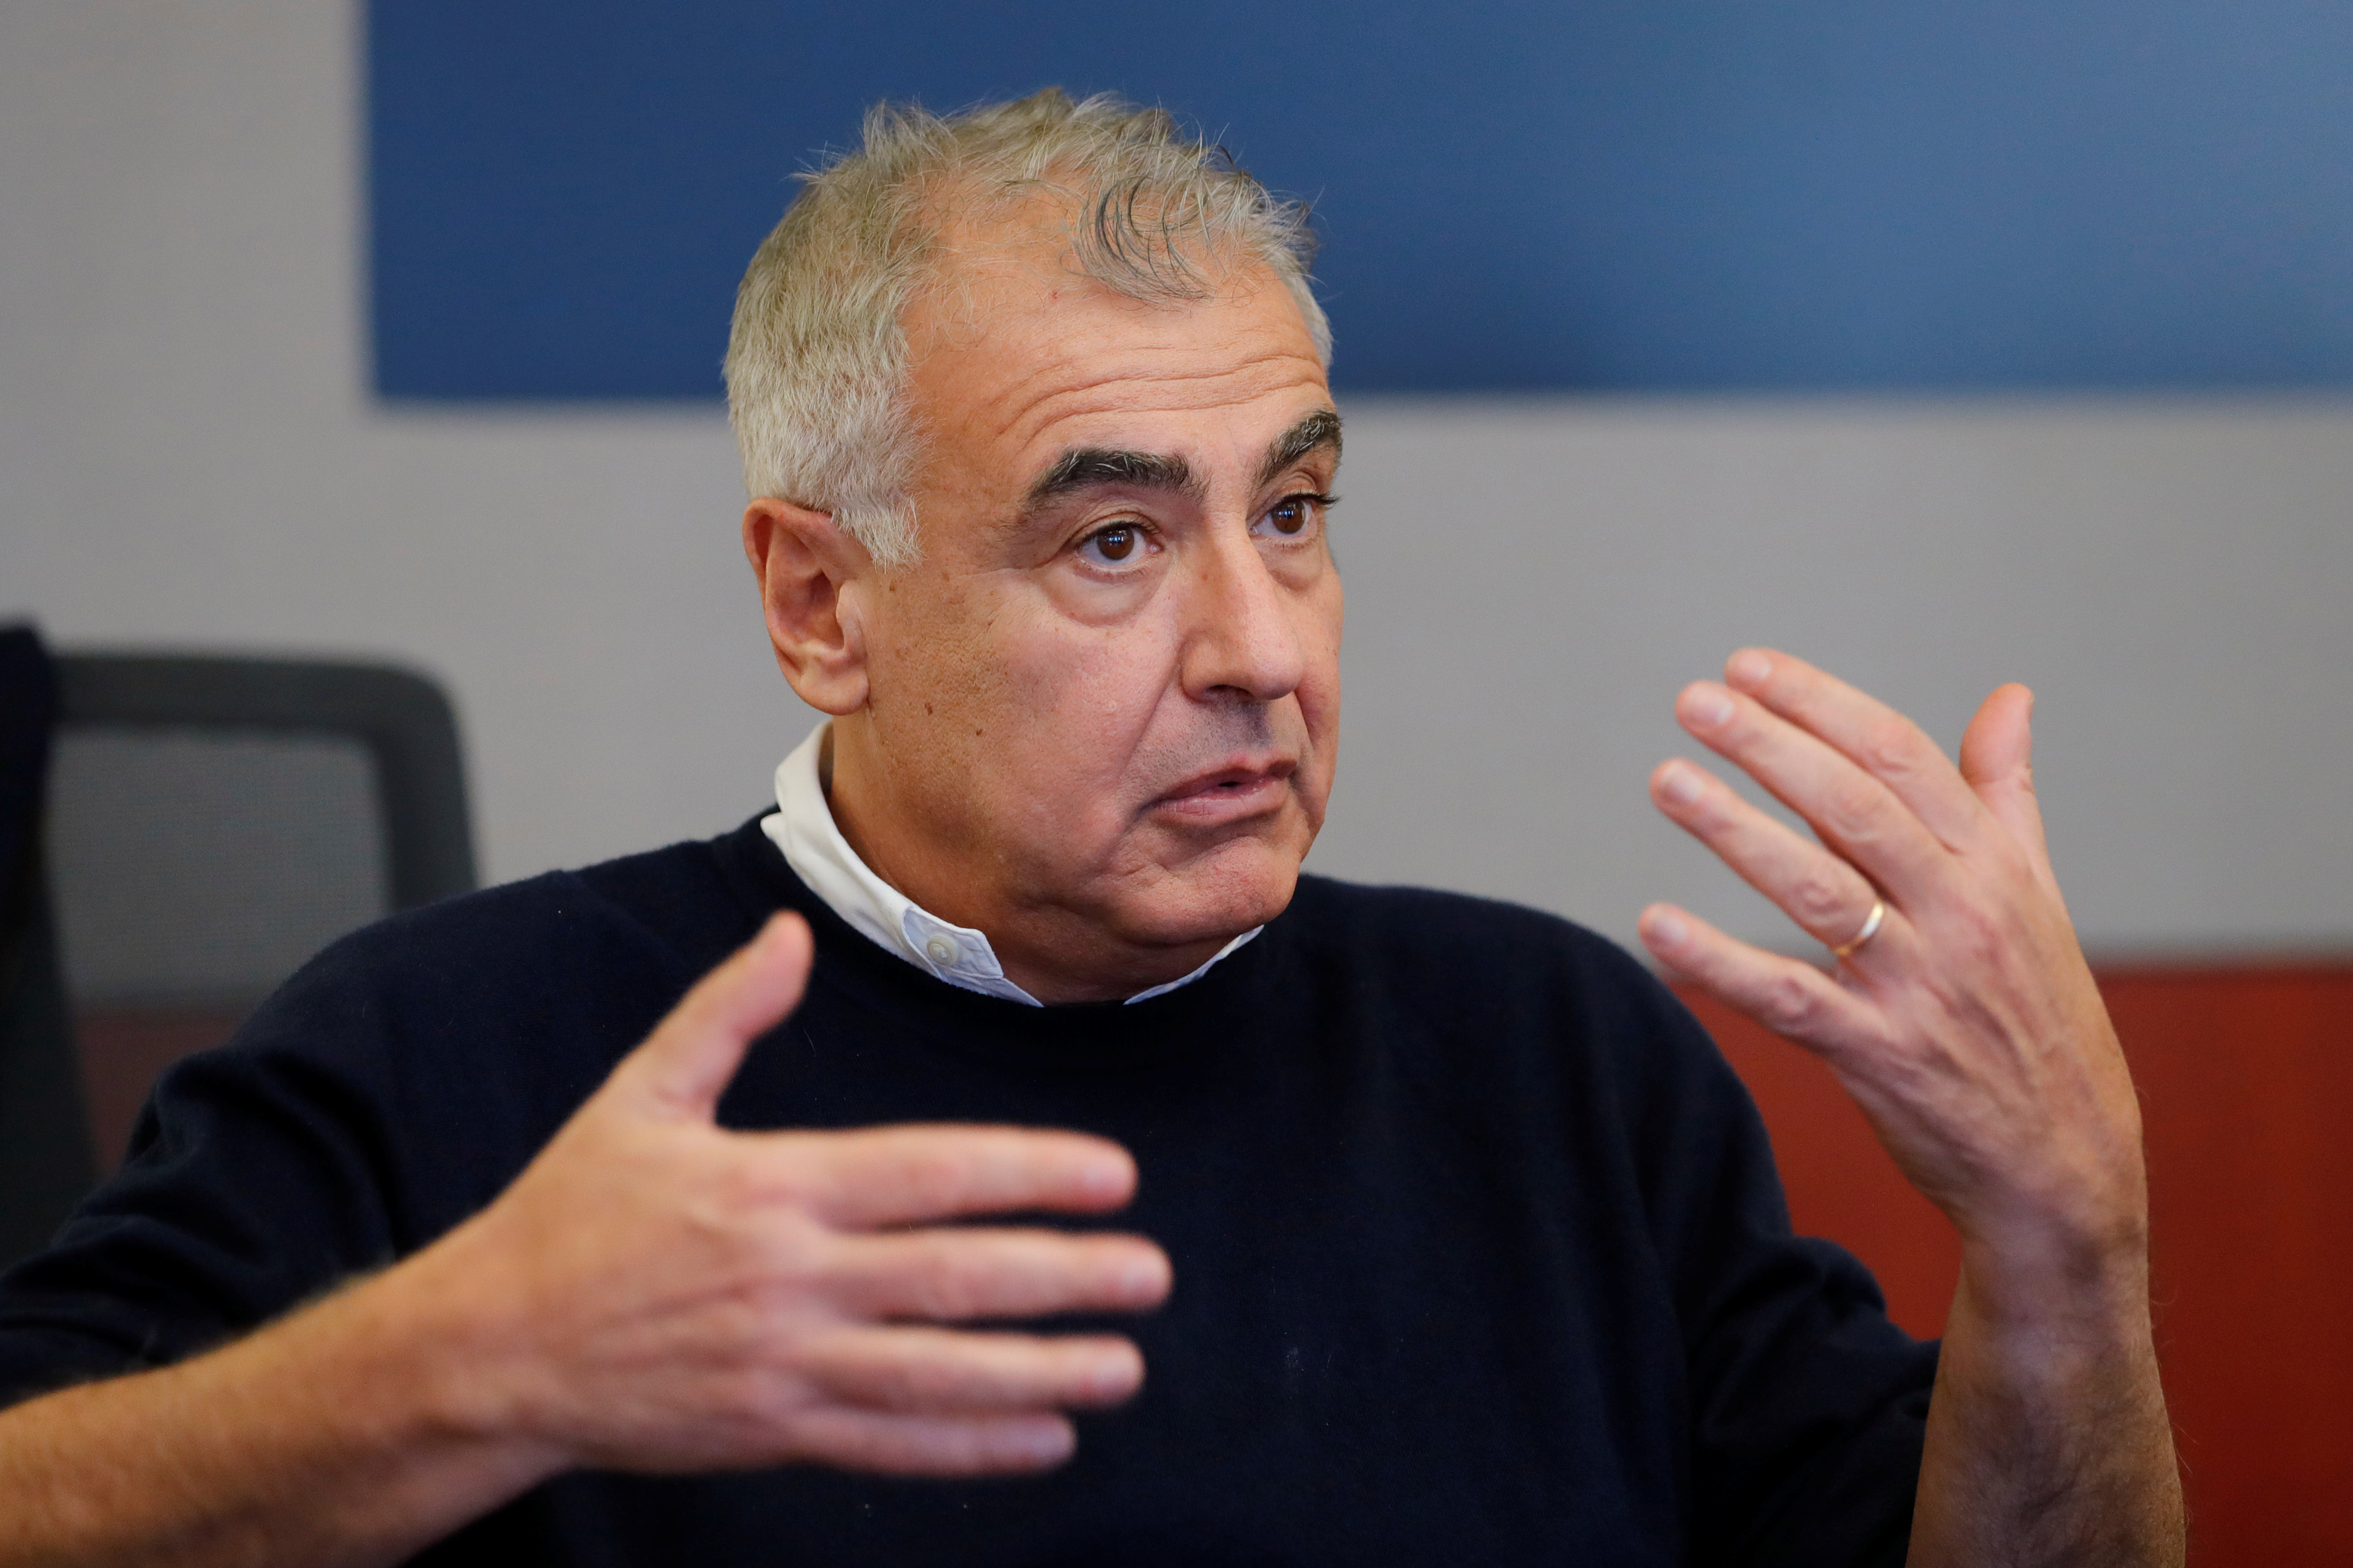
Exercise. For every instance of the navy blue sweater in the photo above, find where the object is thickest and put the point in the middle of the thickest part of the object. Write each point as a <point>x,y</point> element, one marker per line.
<point>1480,1255</point>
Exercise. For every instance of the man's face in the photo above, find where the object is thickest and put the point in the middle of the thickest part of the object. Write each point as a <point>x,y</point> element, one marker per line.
<point>1103,706</point>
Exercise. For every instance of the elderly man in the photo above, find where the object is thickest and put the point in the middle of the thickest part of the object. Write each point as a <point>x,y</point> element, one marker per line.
<point>499,1236</point>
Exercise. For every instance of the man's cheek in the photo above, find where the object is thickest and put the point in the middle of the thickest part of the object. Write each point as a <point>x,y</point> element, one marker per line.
<point>1096,694</point>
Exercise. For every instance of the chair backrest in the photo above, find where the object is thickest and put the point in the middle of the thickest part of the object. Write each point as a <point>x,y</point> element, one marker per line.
<point>44,1150</point>
<point>213,822</point>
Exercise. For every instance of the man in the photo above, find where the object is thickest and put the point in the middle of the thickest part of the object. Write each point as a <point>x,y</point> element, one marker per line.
<point>499,1229</point>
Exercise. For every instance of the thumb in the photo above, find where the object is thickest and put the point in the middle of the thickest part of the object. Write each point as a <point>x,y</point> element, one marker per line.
<point>687,1062</point>
<point>1997,760</point>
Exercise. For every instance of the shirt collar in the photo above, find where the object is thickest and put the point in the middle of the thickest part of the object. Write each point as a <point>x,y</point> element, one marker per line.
<point>802,826</point>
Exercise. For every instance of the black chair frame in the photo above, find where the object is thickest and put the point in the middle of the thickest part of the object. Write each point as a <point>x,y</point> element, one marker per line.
<point>403,719</point>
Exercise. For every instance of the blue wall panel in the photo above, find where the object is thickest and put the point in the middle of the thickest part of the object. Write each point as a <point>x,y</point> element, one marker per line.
<point>1671,195</point>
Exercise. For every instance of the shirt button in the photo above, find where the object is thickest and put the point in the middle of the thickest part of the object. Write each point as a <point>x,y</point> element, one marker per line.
<point>943,951</point>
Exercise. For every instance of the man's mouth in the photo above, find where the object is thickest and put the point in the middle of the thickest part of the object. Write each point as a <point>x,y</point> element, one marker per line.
<point>1230,792</point>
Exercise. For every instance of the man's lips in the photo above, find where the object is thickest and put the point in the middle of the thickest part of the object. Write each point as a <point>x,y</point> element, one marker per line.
<point>1235,791</point>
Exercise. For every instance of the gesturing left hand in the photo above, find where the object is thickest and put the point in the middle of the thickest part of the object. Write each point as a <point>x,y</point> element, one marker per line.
<point>1963,1019</point>
<point>1965,1023</point>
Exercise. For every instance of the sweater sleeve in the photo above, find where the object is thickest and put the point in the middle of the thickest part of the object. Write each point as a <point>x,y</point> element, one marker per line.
<point>1807,1405</point>
<point>256,1178</point>
<point>392,1088</point>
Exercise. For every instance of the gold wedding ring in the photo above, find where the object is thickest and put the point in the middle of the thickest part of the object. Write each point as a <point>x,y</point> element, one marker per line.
<point>1870,929</point>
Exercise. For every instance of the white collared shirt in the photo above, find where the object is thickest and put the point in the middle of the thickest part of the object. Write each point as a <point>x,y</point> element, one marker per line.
<point>802,825</point>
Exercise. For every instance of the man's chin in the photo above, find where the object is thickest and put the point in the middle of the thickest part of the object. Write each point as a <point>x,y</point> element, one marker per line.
<point>1215,897</point>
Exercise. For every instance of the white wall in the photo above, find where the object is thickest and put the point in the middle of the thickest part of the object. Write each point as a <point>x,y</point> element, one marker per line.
<point>188,456</point>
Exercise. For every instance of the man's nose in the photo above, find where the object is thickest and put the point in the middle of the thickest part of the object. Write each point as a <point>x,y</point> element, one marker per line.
<point>1244,643</point>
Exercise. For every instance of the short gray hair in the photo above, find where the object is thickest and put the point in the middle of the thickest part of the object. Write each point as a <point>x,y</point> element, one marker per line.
<point>817,358</point>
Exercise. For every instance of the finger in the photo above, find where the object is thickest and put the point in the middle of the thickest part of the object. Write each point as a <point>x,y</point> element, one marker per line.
<point>902,1175</point>
<point>1877,738</point>
<point>951,1371</point>
<point>1787,996</point>
<point>891,1443</point>
<point>954,1275</point>
<point>1997,760</point>
<point>1828,898</point>
<point>685,1064</point>
<point>1854,813</point>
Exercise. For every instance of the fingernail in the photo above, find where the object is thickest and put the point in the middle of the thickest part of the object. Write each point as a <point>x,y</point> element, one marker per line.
<point>1048,1444</point>
<point>1143,1281</point>
<point>1665,927</point>
<point>1749,667</point>
<point>1681,785</point>
<point>1707,706</point>
<point>1114,1375</point>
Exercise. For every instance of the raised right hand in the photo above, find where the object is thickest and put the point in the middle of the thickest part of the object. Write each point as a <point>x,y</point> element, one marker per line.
<point>657,1293</point>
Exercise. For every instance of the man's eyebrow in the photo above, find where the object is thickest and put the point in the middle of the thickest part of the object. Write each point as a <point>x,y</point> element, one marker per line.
<point>1085,467</point>
<point>1318,430</point>
<point>1088,466</point>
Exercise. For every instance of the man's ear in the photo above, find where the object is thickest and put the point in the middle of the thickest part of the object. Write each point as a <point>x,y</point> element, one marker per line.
<point>812,580</point>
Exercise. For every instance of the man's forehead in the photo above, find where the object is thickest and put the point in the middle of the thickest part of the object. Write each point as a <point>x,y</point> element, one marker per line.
<point>1036,311</point>
<point>995,264</point>
<point>1036,381</point>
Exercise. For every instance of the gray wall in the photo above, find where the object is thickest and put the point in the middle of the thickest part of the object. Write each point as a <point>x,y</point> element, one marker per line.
<point>187,456</point>
<point>1530,585</point>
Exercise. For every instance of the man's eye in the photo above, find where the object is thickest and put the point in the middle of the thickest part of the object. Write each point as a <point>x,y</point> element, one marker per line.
<point>1294,515</point>
<point>1113,546</point>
